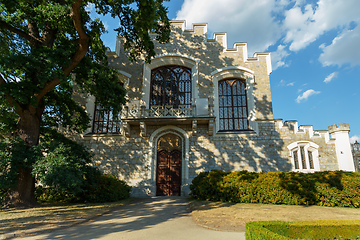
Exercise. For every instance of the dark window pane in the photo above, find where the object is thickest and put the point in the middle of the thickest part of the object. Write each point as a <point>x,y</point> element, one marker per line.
<point>105,121</point>
<point>170,85</point>
<point>232,105</point>
<point>303,160</point>
<point>296,161</point>
<point>311,162</point>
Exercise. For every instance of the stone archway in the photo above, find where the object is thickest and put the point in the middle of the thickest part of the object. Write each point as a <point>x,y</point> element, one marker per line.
<point>169,165</point>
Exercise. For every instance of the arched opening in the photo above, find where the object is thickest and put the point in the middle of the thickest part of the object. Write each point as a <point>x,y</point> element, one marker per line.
<point>169,165</point>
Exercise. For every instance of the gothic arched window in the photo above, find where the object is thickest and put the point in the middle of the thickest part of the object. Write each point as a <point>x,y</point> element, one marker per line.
<point>170,85</point>
<point>304,156</point>
<point>233,113</point>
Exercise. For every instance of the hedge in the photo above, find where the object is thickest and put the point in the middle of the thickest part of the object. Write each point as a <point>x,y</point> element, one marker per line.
<point>99,188</point>
<point>332,188</point>
<point>282,230</point>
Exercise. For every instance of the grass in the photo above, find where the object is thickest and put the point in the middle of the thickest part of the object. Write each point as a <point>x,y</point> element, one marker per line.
<point>233,217</point>
<point>48,217</point>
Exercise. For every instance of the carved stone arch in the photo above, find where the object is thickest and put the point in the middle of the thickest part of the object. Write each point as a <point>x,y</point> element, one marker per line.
<point>153,158</point>
<point>170,59</point>
<point>244,74</point>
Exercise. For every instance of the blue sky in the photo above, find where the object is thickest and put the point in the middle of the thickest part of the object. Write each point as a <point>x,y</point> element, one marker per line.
<point>314,45</point>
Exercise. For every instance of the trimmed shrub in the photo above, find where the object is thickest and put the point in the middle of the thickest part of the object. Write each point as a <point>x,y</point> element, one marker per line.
<point>206,186</point>
<point>98,188</point>
<point>293,188</point>
<point>347,229</point>
<point>106,188</point>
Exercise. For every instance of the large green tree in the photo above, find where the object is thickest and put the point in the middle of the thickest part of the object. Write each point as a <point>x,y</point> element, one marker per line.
<point>49,46</point>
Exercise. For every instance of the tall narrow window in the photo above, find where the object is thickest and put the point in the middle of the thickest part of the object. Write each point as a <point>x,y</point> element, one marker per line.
<point>296,161</point>
<point>303,160</point>
<point>170,85</point>
<point>105,121</point>
<point>233,115</point>
<point>311,162</point>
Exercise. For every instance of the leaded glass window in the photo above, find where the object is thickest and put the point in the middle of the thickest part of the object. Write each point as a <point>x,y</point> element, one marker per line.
<point>311,161</point>
<point>170,85</point>
<point>303,160</point>
<point>296,161</point>
<point>105,121</point>
<point>233,115</point>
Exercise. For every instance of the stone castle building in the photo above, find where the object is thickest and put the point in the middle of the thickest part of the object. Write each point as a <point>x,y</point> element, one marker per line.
<point>198,106</point>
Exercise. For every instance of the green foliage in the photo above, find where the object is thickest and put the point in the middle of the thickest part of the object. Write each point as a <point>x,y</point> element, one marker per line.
<point>206,186</point>
<point>14,154</point>
<point>105,188</point>
<point>63,165</point>
<point>39,43</point>
<point>7,119</point>
<point>320,188</point>
<point>303,230</point>
<point>261,230</point>
<point>98,188</point>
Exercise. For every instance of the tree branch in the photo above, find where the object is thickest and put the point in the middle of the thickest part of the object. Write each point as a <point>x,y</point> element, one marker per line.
<point>80,52</point>
<point>48,36</point>
<point>18,31</point>
<point>83,37</point>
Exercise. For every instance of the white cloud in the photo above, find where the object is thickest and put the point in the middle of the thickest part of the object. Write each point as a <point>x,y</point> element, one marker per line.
<point>277,57</point>
<point>283,83</point>
<point>355,138</point>
<point>290,84</point>
<point>291,25</point>
<point>330,77</point>
<point>243,20</point>
<point>305,23</point>
<point>305,95</point>
<point>343,49</point>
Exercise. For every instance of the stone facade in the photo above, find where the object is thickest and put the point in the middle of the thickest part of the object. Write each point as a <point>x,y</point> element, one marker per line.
<point>267,144</point>
<point>355,148</point>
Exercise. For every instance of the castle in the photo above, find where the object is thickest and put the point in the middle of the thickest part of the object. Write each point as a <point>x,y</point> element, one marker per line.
<point>198,106</point>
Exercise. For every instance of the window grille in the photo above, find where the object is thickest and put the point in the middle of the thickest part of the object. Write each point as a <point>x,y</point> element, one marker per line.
<point>105,121</point>
<point>170,85</point>
<point>233,115</point>
<point>296,161</point>
<point>311,162</point>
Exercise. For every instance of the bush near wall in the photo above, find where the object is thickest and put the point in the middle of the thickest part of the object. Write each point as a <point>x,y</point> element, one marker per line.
<point>282,230</point>
<point>335,188</point>
<point>99,188</point>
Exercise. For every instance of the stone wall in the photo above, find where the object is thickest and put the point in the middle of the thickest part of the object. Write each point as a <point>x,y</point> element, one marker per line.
<point>133,160</point>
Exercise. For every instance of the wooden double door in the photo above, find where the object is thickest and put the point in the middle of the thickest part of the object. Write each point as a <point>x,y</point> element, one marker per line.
<point>168,173</point>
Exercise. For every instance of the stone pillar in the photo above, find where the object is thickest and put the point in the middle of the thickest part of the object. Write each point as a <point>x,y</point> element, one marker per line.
<point>342,145</point>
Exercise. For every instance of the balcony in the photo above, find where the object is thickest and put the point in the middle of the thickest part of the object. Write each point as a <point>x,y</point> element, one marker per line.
<point>199,113</point>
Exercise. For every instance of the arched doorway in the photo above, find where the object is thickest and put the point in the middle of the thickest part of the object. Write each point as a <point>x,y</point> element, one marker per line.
<point>169,165</point>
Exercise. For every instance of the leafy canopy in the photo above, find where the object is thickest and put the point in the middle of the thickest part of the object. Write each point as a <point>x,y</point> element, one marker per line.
<point>47,47</point>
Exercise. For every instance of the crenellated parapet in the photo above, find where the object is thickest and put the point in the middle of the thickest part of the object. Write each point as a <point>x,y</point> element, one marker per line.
<point>200,29</point>
<point>307,131</point>
<point>342,127</point>
<point>339,137</point>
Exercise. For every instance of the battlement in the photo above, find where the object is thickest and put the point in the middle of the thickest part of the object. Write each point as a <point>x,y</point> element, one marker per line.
<point>342,127</point>
<point>221,38</point>
<point>293,126</point>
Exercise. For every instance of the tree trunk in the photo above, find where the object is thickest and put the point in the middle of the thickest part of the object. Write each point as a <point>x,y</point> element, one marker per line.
<point>29,126</point>
<point>29,131</point>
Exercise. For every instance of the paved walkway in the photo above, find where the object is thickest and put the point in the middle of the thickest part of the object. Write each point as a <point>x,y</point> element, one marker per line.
<point>153,218</point>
